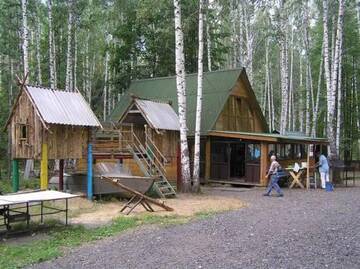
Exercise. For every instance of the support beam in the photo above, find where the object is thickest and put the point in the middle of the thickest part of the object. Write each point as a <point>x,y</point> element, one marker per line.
<point>15,175</point>
<point>207,159</point>
<point>61,175</point>
<point>90,173</point>
<point>264,162</point>
<point>44,167</point>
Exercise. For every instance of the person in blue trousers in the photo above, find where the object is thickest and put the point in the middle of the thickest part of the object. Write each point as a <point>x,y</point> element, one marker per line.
<point>273,173</point>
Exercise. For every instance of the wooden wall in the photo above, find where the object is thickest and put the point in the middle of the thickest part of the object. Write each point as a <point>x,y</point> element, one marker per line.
<point>240,112</point>
<point>64,141</point>
<point>25,117</point>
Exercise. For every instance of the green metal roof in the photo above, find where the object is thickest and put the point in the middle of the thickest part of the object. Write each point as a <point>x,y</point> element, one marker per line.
<point>216,89</point>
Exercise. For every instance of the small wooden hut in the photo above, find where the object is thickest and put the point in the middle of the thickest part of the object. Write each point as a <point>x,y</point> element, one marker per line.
<point>49,124</point>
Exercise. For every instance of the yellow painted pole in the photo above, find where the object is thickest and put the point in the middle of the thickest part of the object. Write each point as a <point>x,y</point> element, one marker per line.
<point>44,167</point>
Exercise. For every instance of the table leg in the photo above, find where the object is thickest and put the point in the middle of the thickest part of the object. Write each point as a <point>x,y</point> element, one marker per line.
<point>41,212</point>
<point>66,212</point>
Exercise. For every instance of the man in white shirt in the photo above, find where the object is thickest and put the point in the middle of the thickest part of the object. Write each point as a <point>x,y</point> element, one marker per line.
<point>323,165</point>
<point>273,173</point>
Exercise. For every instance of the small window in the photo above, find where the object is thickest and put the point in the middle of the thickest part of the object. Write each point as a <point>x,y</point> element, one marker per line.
<point>24,132</point>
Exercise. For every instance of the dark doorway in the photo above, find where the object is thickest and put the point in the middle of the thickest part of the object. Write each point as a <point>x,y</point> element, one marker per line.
<point>237,160</point>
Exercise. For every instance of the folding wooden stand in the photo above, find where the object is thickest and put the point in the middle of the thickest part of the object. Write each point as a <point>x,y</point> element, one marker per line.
<point>138,199</point>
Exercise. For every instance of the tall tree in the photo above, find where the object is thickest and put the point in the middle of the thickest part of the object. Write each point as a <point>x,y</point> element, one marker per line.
<point>196,172</point>
<point>181,94</point>
<point>69,55</point>
<point>52,57</point>
<point>24,37</point>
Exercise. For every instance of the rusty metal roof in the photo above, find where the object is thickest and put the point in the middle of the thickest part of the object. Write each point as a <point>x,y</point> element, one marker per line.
<point>60,107</point>
<point>159,115</point>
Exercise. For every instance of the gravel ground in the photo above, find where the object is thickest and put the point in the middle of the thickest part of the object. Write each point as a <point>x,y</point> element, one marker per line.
<point>304,229</point>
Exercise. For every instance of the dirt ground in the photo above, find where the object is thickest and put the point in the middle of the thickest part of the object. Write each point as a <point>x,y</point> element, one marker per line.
<point>92,214</point>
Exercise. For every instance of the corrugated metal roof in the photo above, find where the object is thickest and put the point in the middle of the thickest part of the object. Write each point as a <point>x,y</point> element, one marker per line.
<point>60,107</point>
<point>216,89</point>
<point>159,115</point>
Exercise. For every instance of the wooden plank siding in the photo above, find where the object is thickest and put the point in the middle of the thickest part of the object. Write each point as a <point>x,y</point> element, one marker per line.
<point>28,134</point>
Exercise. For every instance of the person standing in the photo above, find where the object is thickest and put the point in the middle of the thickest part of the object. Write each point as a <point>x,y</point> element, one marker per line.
<point>323,165</point>
<point>274,178</point>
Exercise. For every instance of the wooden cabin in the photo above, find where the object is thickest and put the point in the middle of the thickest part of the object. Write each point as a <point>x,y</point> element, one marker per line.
<point>235,140</point>
<point>47,124</point>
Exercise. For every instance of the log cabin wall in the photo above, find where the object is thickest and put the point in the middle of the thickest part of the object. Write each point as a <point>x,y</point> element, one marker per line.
<point>26,130</point>
<point>66,142</point>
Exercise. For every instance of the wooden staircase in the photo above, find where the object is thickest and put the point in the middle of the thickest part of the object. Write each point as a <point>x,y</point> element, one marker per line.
<point>150,160</point>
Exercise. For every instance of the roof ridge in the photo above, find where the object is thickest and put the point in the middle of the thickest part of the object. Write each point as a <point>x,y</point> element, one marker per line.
<point>186,75</point>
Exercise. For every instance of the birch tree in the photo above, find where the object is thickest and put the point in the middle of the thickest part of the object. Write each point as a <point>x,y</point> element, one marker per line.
<point>38,51</point>
<point>69,56</point>
<point>196,172</point>
<point>181,94</point>
<point>284,72</point>
<point>24,37</point>
<point>52,63</point>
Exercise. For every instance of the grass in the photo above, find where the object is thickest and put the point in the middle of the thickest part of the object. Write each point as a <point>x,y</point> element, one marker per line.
<point>6,184</point>
<point>61,238</point>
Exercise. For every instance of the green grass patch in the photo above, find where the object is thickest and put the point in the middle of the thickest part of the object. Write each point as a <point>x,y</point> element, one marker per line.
<point>59,238</point>
<point>6,184</point>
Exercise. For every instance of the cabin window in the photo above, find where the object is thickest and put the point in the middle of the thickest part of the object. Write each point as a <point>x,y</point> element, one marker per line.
<point>24,132</point>
<point>288,151</point>
<point>253,151</point>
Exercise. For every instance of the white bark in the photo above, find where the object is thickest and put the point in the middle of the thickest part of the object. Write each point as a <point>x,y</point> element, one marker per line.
<point>291,84</point>
<point>300,97</point>
<point>250,37</point>
<point>87,70</point>
<point>105,90</point>
<point>38,51</point>
<point>208,46</point>
<point>284,85</point>
<point>181,94</point>
<point>196,172</point>
<point>334,77</point>
<point>24,37</point>
<point>339,106</point>
<point>69,56</point>
<point>308,92</point>
<point>268,85</point>
<point>74,84</point>
<point>316,109</point>
<point>52,64</point>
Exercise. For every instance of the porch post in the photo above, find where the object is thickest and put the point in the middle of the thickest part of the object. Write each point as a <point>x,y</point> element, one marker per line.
<point>61,175</point>
<point>15,175</point>
<point>44,167</point>
<point>90,173</point>
<point>264,159</point>
<point>207,159</point>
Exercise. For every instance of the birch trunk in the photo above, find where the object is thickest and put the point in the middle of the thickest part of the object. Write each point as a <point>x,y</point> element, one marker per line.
<point>74,84</point>
<point>316,110</point>
<point>107,56</point>
<point>69,57</point>
<point>334,76</point>
<point>284,85</point>
<point>24,37</point>
<point>339,106</point>
<point>87,70</point>
<point>52,65</point>
<point>308,92</point>
<point>196,172</point>
<point>291,84</point>
<point>300,96</point>
<point>38,56</point>
<point>181,94</point>
<point>208,46</point>
<point>249,35</point>
<point>268,85</point>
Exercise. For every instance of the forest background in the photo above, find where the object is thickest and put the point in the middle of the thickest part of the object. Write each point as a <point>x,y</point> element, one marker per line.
<point>98,47</point>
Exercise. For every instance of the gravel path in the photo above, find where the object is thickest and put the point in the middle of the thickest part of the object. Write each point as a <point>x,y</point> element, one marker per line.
<point>304,229</point>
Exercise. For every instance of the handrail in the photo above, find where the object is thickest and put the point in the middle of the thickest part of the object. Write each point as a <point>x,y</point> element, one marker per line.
<point>148,138</point>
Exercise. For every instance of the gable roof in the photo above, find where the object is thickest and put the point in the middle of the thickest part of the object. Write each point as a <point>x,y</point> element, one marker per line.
<point>158,115</point>
<point>217,87</point>
<point>60,107</point>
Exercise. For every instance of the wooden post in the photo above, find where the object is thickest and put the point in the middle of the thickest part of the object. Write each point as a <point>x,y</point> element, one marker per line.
<point>90,173</point>
<point>264,161</point>
<point>207,159</point>
<point>308,167</point>
<point>61,175</point>
<point>15,175</point>
<point>44,167</point>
